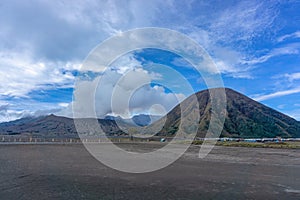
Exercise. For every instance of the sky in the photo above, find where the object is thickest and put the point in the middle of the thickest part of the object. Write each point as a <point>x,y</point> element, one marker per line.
<point>254,44</point>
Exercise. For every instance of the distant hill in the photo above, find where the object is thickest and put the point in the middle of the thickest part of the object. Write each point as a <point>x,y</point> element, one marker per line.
<point>53,126</point>
<point>139,120</point>
<point>246,119</point>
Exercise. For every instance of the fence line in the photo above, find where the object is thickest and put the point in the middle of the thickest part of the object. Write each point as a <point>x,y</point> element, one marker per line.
<point>8,139</point>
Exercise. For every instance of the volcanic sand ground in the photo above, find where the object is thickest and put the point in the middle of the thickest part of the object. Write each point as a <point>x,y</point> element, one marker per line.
<point>55,171</point>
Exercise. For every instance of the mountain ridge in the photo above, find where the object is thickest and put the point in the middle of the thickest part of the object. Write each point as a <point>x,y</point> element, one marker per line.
<point>245,118</point>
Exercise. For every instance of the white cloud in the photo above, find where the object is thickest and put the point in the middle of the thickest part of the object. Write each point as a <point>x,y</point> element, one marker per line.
<point>10,115</point>
<point>233,71</point>
<point>140,102</point>
<point>10,112</point>
<point>243,21</point>
<point>80,26</point>
<point>286,80</point>
<point>277,94</point>
<point>228,30</point>
<point>289,36</point>
<point>292,76</point>
<point>38,45</point>
<point>227,61</point>
<point>63,104</point>
<point>19,74</point>
<point>126,63</point>
<point>123,89</point>
<point>231,62</point>
<point>229,24</point>
<point>288,50</point>
<point>122,93</point>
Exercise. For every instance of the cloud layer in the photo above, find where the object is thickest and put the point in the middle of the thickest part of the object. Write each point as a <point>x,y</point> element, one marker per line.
<point>43,46</point>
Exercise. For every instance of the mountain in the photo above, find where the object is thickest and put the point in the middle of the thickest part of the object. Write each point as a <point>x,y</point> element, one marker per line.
<point>246,118</point>
<point>145,120</point>
<point>52,125</point>
<point>139,120</point>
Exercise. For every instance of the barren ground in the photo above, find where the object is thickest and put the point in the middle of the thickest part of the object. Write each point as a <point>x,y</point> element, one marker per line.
<point>70,172</point>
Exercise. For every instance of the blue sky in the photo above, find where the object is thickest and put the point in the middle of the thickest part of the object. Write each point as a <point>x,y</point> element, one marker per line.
<point>255,45</point>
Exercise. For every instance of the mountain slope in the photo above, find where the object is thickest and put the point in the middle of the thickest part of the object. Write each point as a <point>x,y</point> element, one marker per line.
<point>52,125</point>
<point>246,118</point>
<point>139,120</point>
